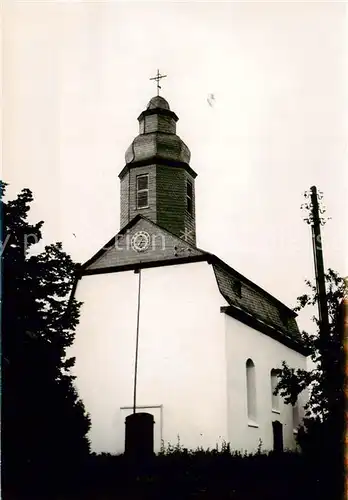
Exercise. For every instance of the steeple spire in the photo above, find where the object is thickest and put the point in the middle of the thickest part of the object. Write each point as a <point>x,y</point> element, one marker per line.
<point>157,180</point>
<point>158,77</point>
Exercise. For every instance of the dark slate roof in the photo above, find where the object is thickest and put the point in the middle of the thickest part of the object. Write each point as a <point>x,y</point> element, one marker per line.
<point>118,254</point>
<point>157,145</point>
<point>158,102</point>
<point>241,293</point>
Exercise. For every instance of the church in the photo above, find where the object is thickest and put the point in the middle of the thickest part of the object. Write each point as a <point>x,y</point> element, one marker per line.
<point>169,329</point>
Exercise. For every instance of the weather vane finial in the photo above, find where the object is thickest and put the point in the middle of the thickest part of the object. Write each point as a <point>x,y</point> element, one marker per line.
<point>158,77</point>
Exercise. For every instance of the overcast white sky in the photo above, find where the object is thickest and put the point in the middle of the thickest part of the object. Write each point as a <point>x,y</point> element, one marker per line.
<point>76,77</point>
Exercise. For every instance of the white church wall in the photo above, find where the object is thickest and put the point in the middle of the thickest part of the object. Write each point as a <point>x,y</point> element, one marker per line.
<point>181,354</point>
<point>104,345</point>
<point>243,343</point>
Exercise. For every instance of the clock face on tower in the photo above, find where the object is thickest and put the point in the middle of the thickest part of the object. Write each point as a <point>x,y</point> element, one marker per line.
<point>140,241</point>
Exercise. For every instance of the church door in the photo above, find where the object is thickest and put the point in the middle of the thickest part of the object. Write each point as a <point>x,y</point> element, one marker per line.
<point>156,411</point>
<point>277,436</point>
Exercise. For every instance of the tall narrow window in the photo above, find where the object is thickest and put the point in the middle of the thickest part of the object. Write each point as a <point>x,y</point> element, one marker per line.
<point>274,383</point>
<point>142,191</point>
<point>189,197</point>
<point>295,416</point>
<point>251,390</point>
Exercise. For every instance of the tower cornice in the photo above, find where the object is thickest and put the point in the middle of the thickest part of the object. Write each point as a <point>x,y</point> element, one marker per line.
<point>157,160</point>
<point>158,111</point>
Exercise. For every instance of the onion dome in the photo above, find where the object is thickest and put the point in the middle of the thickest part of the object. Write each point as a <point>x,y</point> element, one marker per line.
<point>158,102</point>
<point>157,137</point>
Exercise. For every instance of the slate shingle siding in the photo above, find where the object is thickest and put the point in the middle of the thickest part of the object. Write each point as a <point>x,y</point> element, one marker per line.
<point>163,246</point>
<point>167,199</point>
<point>153,123</point>
<point>255,303</point>
<point>171,202</point>
<point>124,209</point>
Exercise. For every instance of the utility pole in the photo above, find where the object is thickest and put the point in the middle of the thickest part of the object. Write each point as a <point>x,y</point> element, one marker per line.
<point>319,262</point>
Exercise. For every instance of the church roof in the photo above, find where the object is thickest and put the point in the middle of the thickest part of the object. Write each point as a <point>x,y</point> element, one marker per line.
<point>246,298</point>
<point>246,301</point>
<point>157,145</point>
<point>118,253</point>
<point>158,102</point>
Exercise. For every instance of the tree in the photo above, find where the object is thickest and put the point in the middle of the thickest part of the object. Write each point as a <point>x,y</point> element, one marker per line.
<point>44,422</point>
<point>325,381</point>
<point>321,435</point>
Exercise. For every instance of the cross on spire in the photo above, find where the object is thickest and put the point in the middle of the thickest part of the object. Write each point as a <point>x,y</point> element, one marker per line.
<point>158,77</point>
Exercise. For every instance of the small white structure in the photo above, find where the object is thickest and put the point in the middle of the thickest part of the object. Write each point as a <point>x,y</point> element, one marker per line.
<point>209,339</point>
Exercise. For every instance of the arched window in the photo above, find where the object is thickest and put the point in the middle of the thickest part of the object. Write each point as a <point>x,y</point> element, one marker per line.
<point>251,390</point>
<point>295,416</point>
<point>274,383</point>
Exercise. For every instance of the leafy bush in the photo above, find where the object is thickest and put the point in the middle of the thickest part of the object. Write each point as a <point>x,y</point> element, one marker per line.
<point>178,473</point>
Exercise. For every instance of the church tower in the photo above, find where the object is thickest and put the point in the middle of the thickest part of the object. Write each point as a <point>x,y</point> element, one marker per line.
<point>157,180</point>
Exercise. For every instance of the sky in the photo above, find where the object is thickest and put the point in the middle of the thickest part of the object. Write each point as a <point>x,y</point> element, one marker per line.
<point>75,77</point>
